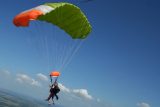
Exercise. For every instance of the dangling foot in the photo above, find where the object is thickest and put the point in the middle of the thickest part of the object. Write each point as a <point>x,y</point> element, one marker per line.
<point>50,102</point>
<point>57,97</point>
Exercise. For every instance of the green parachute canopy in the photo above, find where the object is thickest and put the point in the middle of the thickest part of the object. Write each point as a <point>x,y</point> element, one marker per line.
<point>66,16</point>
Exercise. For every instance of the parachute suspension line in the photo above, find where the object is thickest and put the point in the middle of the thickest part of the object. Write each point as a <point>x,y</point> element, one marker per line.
<point>38,39</point>
<point>51,79</point>
<point>45,42</point>
<point>33,36</point>
<point>56,79</point>
<point>69,53</point>
<point>62,51</point>
<point>53,38</point>
<point>73,51</point>
<point>28,32</point>
<point>51,46</point>
<point>56,51</point>
<point>56,48</point>
<point>61,45</point>
<point>46,45</point>
<point>66,50</point>
<point>42,42</point>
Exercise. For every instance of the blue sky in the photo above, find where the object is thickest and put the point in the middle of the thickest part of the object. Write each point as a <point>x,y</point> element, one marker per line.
<point>120,58</point>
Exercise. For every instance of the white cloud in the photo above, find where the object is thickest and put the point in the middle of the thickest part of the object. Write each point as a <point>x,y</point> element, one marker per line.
<point>23,78</point>
<point>143,104</point>
<point>63,88</point>
<point>82,93</point>
<point>42,77</point>
<point>4,72</point>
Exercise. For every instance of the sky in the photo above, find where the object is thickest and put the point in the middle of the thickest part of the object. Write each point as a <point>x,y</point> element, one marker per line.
<point>118,65</point>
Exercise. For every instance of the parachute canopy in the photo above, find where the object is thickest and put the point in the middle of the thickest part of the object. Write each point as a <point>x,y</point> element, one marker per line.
<point>64,15</point>
<point>55,74</point>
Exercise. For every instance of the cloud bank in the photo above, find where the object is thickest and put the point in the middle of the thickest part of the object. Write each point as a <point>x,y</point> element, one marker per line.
<point>81,93</point>
<point>42,77</point>
<point>37,86</point>
<point>25,79</point>
<point>143,104</point>
<point>63,88</point>
<point>4,73</point>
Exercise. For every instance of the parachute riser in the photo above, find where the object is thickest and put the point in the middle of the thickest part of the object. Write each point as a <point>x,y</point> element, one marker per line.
<point>51,80</point>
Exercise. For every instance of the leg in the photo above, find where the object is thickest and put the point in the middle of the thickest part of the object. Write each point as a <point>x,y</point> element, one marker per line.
<point>56,96</point>
<point>52,98</point>
<point>51,95</point>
